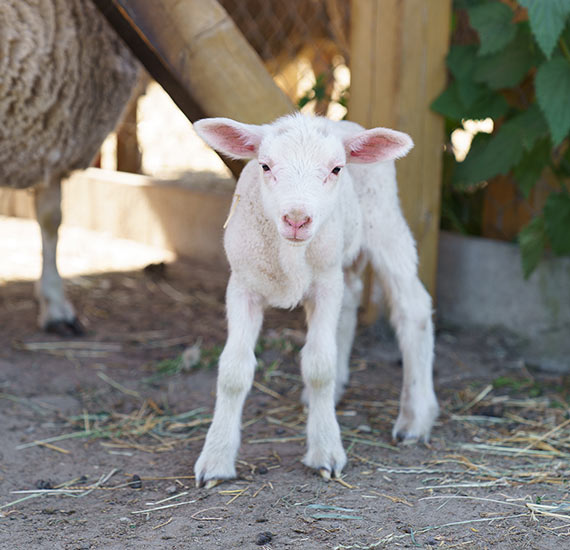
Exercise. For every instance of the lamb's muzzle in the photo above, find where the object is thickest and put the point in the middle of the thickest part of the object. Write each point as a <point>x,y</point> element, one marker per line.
<point>296,225</point>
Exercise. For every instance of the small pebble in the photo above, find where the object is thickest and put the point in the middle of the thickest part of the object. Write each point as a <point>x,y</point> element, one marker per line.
<point>171,490</point>
<point>263,538</point>
<point>262,470</point>
<point>43,484</point>
<point>191,356</point>
<point>136,482</point>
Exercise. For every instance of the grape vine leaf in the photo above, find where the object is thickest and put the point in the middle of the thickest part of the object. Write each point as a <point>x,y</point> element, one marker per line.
<point>527,172</point>
<point>507,67</point>
<point>552,92</point>
<point>532,239</point>
<point>493,23</point>
<point>547,19</point>
<point>491,156</point>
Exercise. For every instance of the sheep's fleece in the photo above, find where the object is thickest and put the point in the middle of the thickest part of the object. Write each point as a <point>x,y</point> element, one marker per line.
<point>65,78</point>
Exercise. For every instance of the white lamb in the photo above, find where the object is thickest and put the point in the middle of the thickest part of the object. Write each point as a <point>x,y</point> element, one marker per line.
<point>317,201</point>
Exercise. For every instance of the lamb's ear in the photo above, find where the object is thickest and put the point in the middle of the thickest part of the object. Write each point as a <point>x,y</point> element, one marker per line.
<point>376,145</point>
<point>234,139</point>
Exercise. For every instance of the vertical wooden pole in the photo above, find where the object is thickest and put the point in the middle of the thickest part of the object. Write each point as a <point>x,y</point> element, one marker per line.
<point>398,50</point>
<point>129,158</point>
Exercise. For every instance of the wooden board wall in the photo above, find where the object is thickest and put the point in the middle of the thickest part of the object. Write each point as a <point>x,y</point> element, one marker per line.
<point>398,50</point>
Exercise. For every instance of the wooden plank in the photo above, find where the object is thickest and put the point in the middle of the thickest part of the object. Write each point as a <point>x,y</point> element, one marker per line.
<point>155,212</point>
<point>398,50</point>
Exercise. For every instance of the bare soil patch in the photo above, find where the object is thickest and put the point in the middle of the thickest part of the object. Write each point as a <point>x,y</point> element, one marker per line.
<point>114,422</point>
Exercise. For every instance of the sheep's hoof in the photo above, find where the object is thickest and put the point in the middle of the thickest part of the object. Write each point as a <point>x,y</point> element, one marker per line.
<point>404,438</point>
<point>325,474</point>
<point>209,484</point>
<point>65,328</point>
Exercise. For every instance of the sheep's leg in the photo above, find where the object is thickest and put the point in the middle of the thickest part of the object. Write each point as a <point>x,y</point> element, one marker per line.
<point>347,328</point>
<point>56,313</point>
<point>394,258</point>
<point>319,369</point>
<point>235,377</point>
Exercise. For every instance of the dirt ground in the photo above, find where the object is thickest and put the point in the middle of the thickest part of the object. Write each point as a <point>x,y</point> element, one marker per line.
<point>98,435</point>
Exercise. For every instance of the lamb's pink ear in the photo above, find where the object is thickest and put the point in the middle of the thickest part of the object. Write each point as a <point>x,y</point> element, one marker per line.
<point>232,138</point>
<point>376,145</point>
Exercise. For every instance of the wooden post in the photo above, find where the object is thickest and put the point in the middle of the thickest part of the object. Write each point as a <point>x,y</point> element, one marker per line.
<point>398,50</point>
<point>129,158</point>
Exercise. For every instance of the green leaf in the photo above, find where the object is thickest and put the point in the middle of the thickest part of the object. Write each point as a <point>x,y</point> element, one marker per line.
<point>552,84</point>
<point>493,23</point>
<point>557,222</point>
<point>489,157</point>
<point>532,126</point>
<point>461,60</point>
<point>532,239</point>
<point>527,172</point>
<point>449,103</point>
<point>547,19</point>
<point>470,92</point>
<point>489,105</point>
<point>508,67</point>
<point>452,102</point>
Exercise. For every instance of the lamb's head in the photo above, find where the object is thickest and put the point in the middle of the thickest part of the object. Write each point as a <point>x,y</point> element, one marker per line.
<point>301,161</point>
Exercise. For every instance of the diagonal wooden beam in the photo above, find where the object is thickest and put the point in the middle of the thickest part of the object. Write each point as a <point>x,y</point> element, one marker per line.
<point>135,32</point>
<point>199,56</point>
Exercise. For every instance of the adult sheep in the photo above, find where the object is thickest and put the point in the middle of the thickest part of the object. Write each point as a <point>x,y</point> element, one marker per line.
<point>316,201</point>
<point>65,78</point>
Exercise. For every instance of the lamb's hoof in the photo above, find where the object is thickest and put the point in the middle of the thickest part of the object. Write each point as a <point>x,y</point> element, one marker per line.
<point>403,437</point>
<point>209,473</point>
<point>416,427</point>
<point>325,474</point>
<point>65,328</point>
<point>328,464</point>
<point>210,484</point>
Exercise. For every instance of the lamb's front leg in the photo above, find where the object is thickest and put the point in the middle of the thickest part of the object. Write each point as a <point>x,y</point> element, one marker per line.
<point>319,367</point>
<point>235,377</point>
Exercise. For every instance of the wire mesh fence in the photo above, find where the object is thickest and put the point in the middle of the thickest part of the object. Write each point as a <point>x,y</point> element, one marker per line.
<point>304,45</point>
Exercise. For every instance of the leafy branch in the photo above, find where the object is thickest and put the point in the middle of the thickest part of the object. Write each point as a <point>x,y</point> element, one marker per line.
<point>518,74</point>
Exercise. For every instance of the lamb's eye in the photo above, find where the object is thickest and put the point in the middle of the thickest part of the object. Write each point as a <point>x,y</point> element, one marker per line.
<point>336,170</point>
<point>265,168</point>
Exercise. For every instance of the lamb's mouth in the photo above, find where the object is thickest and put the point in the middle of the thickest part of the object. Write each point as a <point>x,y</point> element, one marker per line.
<point>294,241</point>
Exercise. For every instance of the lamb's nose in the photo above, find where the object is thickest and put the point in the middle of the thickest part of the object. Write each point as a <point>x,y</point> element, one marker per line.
<point>297,219</point>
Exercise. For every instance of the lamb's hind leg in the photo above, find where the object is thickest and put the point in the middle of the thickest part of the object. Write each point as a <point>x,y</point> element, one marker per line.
<point>395,260</point>
<point>235,377</point>
<point>56,312</point>
<point>347,326</point>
